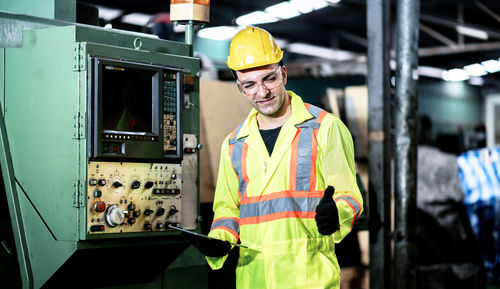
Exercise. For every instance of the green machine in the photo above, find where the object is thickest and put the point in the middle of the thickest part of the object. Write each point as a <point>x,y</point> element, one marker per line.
<point>99,154</point>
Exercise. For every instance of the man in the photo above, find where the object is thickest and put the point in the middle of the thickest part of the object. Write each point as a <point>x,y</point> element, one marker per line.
<point>277,174</point>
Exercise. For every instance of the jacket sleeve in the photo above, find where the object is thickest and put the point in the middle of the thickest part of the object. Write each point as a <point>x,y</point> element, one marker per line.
<point>338,170</point>
<point>226,205</point>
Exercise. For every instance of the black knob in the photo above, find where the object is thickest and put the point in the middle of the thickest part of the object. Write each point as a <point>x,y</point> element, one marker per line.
<point>117,184</point>
<point>173,210</point>
<point>147,226</point>
<point>160,212</point>
<point>149,185</point>
<point>92,182</point>
<point>148,212</point>
<point>101,182</point>
<point>159,226</point>
<point>137,213</point>
<point>131,206</point>
<point>131,221</point>
<point>136,185</point>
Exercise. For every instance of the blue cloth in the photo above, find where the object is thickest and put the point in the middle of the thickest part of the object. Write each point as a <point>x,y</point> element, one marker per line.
<point>479,173</point>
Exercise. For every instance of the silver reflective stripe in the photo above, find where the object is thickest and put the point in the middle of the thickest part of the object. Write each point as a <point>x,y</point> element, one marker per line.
<point>228,223</point>
<point>303,170</point>
<point>351,201</point>
<point>236,159</point>
<point>285,204</point>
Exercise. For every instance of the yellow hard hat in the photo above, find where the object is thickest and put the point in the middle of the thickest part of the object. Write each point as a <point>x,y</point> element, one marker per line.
<point>253,47</point>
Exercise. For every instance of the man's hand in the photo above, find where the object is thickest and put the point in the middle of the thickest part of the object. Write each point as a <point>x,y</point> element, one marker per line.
<point>208,247</point>
<point>327,216</point>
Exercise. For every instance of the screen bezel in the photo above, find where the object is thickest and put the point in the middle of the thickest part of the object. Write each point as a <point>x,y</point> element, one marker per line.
<point>132,145</point>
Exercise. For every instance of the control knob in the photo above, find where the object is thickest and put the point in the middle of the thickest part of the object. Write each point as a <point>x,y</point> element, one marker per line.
<point>101,182</point>
<point>136,184</point>
<point>149,185</point>
<point>117,184</point>
<point>114,215</point>
<point>147,226</point>
<point>160,212</point>
<point>148,212</point>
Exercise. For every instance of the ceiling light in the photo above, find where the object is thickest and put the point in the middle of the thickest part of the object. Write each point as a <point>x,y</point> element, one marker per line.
<point>282,10</point>
<point>218,33</point>
<point>476,80</point>
<point>333,1</point>
<point>318,4</point>
<point>491,65</point>
<point>475,69</point>
<point>303,6</point>
<point>139,19</point>
<point>472,32</point>
<point>318,51</point>
<point>430,71</point>
<point>108,14</point>
<point>256,17</point>
<point>455,74</point>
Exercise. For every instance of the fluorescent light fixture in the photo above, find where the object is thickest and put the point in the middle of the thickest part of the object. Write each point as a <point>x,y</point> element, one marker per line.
<point>139,19</point>
<point>108,26</point>
<point>431,71</point>
<point>318,4</point>
<point>256,17</point>
<point>472,32</point>
<point>218,33</point>
<point>455,74</point>
<point>282,10</point>
<point>319,51</point>
<point>303,6</point>
<point>281,42</point>
<point>491,65</point>
<point>475,69</point>
<point>333,1</point>
<point>476,80</point>
<point>108,13</point>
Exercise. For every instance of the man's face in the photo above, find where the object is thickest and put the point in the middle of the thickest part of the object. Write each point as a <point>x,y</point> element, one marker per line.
<point>264,88</point>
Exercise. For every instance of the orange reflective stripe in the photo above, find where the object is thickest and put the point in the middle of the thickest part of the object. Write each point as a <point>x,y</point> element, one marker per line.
<point>282,194</point>
<point>277,216</point>
<point>353,203</point>
<point>322,115</point>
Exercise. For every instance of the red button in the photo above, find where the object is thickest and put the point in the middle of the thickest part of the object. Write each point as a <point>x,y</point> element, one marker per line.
<point>100,206</point>
<point>115,149</point>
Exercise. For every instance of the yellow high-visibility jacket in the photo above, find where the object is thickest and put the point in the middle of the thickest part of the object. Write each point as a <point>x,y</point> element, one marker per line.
<point>269,202</point>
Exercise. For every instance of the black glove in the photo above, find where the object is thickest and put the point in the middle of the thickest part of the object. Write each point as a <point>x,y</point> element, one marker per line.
<point>208,247</point>
<point>327,216</point>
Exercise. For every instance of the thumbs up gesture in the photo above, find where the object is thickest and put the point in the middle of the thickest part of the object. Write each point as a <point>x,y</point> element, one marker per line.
<point>327,216</point>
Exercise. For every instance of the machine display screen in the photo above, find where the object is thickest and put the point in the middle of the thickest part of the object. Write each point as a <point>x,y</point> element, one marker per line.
<point>127,99</point>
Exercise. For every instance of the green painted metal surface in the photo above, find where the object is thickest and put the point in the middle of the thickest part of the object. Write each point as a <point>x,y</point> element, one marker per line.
<point>45,112</point>
<point>52,9</point>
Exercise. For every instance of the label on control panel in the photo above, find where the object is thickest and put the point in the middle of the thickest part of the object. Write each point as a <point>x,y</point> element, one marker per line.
<point>133,197</point>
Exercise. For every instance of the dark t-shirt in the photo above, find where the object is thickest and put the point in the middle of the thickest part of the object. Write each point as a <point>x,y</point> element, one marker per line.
<point>270,136</point>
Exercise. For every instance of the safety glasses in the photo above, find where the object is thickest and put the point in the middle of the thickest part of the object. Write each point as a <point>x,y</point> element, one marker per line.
<point>270,81</point>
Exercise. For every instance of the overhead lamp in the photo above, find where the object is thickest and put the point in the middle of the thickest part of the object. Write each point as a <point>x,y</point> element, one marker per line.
<point>318,4</point>
<point>472,32</point>
<point>455,74</point>
<point>218,33</point>
<point>333,1</point>
<point>319,51</point>
<point>491,65</point>
<point>476,80</point>
<point>303,6</point>
<point>430,71</point>
<point>108,14</point>
<point>256,17</point>
<point>282,10</point>
<point>475,69</point>
<point>139,19</point>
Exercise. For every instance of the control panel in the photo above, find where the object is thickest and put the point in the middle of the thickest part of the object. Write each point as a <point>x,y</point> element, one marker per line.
<point>170,107</point>
<point>133,197</point>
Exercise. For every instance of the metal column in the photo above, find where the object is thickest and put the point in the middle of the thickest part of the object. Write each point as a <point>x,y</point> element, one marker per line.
<point>379,196</point>
<point>405,141</point>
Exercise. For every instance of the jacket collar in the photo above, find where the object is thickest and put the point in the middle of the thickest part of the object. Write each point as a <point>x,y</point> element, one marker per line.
<point>298,116</point>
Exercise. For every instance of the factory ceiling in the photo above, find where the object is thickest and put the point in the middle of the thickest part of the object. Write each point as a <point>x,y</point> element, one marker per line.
<point>453,33</point>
